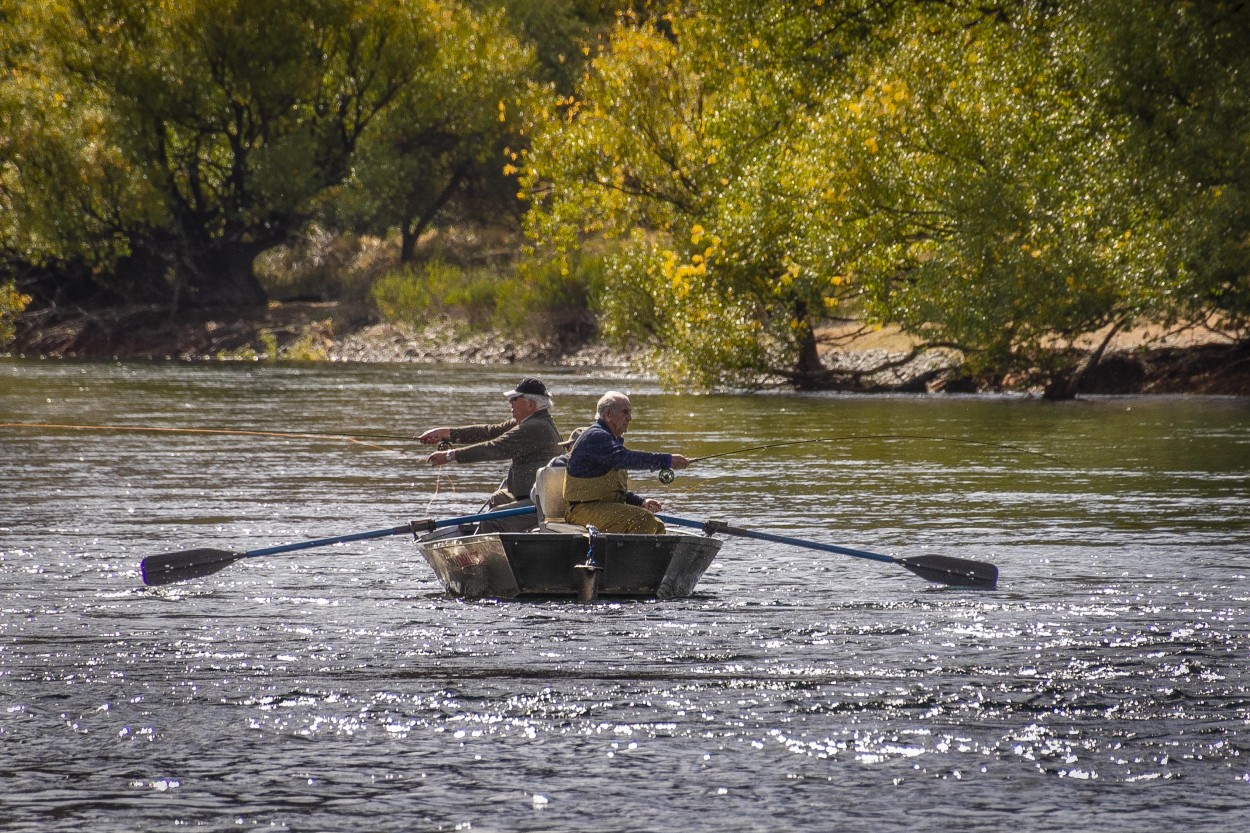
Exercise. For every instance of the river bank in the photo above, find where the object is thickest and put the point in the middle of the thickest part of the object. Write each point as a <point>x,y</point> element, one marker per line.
<point>1148,361</point>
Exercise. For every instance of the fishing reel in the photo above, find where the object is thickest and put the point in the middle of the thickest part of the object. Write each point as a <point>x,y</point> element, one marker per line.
<point>667,476</point>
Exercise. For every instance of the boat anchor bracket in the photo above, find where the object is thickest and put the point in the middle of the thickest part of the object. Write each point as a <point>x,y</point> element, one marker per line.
<point>588,581</point>
<point>711,527</point>
<point>422,526</point>
<point>590,563</point>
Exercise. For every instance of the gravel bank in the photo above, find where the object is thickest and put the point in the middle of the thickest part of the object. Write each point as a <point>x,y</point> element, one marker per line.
<point>1208,363</point>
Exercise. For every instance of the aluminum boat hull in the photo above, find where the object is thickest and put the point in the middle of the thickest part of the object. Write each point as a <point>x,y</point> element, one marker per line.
<point>509,565</point>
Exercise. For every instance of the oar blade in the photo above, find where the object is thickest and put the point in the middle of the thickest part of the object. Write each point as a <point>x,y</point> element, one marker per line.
<point>170,567</point>
<point>956,572</point>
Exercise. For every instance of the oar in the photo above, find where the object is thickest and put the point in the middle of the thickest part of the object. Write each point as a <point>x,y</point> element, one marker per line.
<point>178,566</point>
<point>943,569</point>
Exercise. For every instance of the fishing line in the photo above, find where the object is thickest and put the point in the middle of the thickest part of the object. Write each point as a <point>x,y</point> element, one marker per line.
<point>359,439</point>
<point>668,475</point>
<point>439,474</point>
<point>446,445</point>
<point>438,488</point>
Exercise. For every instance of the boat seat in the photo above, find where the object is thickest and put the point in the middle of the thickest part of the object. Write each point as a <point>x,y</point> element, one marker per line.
<point>548,497</point>
<point>562,526</point>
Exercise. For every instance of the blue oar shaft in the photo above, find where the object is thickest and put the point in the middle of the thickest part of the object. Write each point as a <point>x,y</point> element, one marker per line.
<point>382,533</point>
<point>943,569</point>
<point>781,539</point>
<point>321,542</point>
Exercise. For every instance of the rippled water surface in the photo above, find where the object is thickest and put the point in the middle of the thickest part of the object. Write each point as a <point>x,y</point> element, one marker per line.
<point>1105,684</point>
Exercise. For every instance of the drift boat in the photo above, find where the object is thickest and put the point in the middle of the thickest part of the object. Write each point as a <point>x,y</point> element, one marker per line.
<point>557,559</point>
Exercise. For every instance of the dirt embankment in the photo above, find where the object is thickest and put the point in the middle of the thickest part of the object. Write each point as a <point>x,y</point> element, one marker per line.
<point>290,331</point>
<point>1145,361</point>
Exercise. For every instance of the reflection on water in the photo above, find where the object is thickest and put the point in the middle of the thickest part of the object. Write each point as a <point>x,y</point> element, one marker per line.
<point>340,689</point>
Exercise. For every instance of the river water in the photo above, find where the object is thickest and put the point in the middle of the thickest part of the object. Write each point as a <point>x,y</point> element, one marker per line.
<point>1104,685</point>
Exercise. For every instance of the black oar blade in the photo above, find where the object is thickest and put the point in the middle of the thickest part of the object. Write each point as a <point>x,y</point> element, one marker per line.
<point>957,572</point>
<point>169,567</point>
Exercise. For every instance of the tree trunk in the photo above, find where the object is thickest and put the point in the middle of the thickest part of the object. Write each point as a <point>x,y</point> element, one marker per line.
<point>221,274</point>
<point>1065,385</point>
<point>410,229</point>
<point>809,370</point>
<point>408,234</point>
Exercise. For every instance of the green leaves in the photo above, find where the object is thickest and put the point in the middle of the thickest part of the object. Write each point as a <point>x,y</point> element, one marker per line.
<point>206,130</point>
<point>12,303</point>
<point>1008,180</point>
<point>448,131</point>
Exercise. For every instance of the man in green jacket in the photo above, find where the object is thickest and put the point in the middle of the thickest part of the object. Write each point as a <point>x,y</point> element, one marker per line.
<point>529,439</point>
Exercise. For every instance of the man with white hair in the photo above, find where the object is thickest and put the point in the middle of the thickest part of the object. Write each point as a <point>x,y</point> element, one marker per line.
<point>529,439</point>
<point>596,483</point>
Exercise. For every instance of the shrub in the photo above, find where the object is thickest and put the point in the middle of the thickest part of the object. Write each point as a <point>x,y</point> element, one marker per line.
<point>12,303</point>
<point>543,298</point>
<point>413,293</point>
<point>321,265</point>
<point>559,297</point>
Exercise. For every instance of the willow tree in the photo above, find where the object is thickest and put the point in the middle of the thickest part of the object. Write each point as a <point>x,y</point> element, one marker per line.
<point>226,119</point>
<point>1179,75</point>
<point>989,213</point>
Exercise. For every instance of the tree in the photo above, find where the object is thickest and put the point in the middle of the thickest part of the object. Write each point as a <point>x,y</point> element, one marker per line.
<point>446,133</point>
<point>1179,75</point>
<point>684,146</point>
<point>991,176</point>
<point>228,118</point>
<point>1011,203</point>
<point>67,194</point>
<point>987,216</point>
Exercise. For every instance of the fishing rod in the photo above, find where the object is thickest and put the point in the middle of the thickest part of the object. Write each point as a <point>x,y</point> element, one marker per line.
<point>359,438</point>
<point>668,475</point>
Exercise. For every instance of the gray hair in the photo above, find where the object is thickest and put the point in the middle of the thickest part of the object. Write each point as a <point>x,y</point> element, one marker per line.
<point>543,402</point>
<point>608,401</point>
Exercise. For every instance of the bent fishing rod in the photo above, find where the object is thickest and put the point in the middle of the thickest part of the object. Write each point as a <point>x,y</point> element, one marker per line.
<point>668,475</point>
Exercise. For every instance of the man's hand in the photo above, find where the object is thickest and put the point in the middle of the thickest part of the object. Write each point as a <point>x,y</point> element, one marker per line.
<point>435,435</point>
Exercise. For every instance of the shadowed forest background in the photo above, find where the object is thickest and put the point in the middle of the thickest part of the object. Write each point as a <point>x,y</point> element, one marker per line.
<point>739,188</point>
